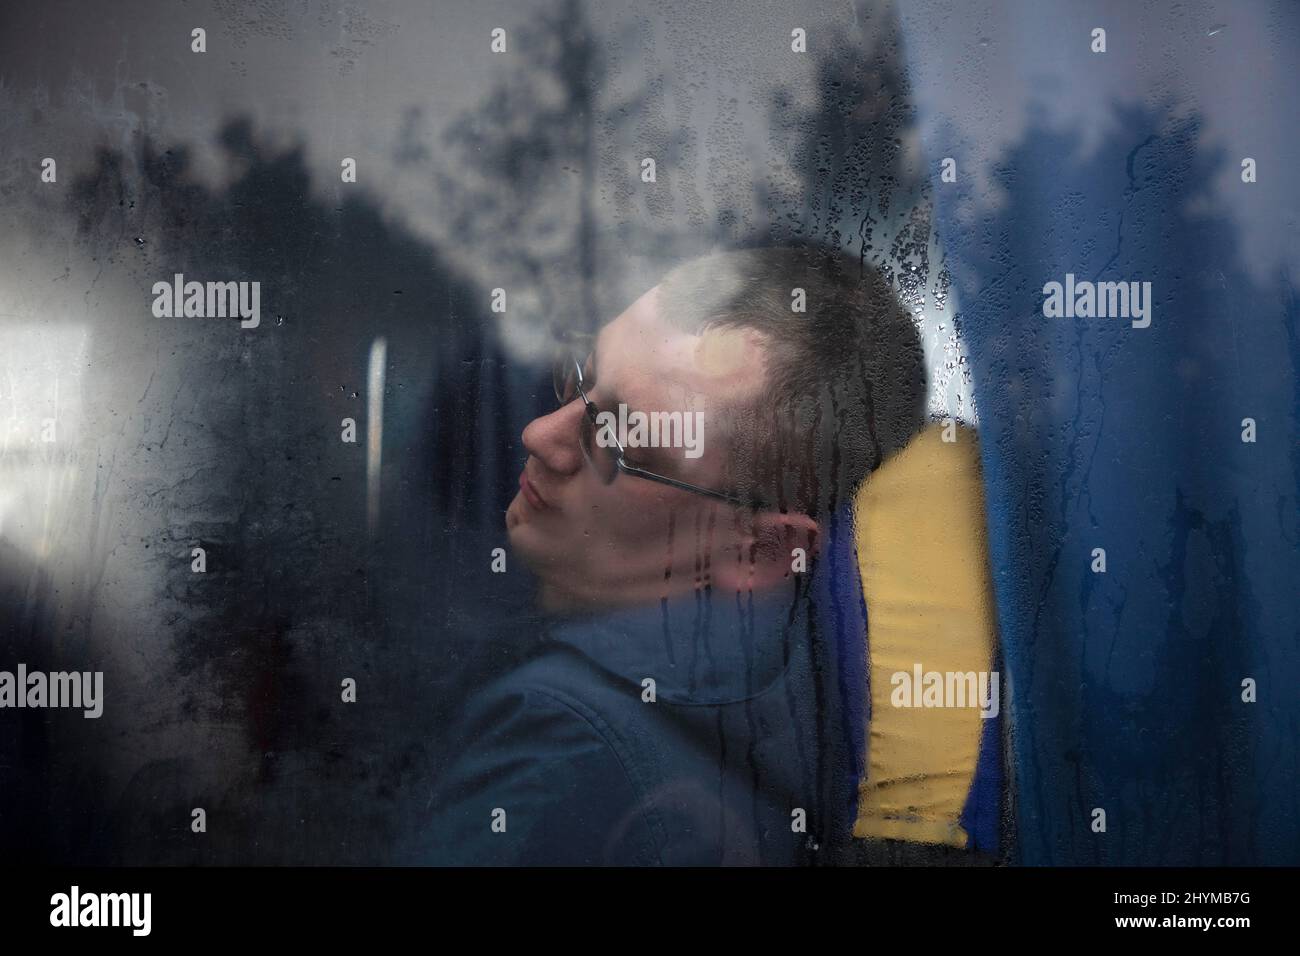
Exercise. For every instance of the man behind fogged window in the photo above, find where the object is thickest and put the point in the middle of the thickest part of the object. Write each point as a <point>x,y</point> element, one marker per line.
<point>682,705</point>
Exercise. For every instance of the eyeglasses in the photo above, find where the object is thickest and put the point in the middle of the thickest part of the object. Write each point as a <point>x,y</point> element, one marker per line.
<point>571,378</point>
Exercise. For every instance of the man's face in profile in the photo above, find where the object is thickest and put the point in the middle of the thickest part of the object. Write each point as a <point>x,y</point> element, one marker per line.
<point>631,540</point>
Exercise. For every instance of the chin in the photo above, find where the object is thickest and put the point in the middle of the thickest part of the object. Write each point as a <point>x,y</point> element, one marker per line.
<point>519,516</point>
<point>527,542</point>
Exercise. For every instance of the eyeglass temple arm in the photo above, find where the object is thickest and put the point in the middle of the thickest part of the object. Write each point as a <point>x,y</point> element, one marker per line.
<point>683,485</point>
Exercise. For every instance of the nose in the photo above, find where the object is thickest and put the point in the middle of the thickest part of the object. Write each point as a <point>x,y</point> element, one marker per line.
<point>554,439</point>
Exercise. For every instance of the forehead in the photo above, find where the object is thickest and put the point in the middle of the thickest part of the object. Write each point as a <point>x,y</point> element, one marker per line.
<point>644,356</point>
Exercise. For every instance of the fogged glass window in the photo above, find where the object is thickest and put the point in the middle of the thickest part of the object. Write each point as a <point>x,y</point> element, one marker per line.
<point>594,434</point>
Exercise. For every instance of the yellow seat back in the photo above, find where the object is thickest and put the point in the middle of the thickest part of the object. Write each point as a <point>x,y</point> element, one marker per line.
<point>922,551</point>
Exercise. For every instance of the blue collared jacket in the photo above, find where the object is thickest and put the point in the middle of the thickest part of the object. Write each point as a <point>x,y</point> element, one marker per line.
<point>708,730</point>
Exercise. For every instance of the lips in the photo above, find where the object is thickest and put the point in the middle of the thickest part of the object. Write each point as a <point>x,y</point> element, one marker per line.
<point>530,493</point>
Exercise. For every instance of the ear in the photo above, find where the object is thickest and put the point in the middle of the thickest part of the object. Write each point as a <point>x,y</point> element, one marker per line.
<point>766,553</point>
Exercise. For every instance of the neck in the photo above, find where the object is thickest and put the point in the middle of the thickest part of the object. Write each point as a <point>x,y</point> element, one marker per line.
<point>563,604</point>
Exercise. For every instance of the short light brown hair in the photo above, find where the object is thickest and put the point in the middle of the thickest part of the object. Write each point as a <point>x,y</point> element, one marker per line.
<point>844,386</point>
